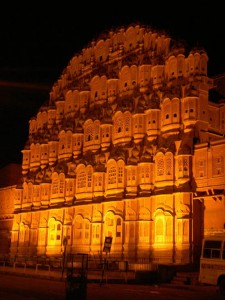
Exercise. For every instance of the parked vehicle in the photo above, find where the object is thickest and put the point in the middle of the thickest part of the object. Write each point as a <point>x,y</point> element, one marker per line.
<point>212,261</point>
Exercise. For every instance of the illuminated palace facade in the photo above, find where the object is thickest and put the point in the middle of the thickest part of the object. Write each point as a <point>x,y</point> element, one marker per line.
<point>128,145</point>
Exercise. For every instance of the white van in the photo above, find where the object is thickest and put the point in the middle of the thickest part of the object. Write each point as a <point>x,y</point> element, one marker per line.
<point>212,261</point>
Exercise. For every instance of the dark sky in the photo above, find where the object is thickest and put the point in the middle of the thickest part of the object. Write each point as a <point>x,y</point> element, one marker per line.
<point>39,39</point>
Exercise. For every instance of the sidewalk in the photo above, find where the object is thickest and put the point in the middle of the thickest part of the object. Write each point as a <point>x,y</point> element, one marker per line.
<point>92,277</point>
<point>57,274</point>
<point>32,272</point>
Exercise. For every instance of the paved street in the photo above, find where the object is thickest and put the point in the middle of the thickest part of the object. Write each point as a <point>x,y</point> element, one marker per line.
<point>13,287</point>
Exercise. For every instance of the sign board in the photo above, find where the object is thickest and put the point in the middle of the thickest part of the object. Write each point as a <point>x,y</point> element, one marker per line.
<point>107,244</point>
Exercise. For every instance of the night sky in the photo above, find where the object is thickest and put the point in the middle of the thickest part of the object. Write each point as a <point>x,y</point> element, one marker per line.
<point>39,39</point>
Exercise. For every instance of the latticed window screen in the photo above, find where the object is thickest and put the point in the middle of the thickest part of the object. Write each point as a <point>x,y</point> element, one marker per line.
<point>218,165</point>
<point>89,133</point>
<point>81,180</point>
<point>89,176</point>
<point>118,227</point>
<point>55,184</point>
<point>119,125</point>
<point>96,131</point>
<point>61,183</point>
<point>105,132</point>
<point>112,175</point>
<point>131,176</point>
<point>98,180</point>
<point>54,232</point>
<point>168,166</point>
<point>127,123</point>
<point>201,168</point>
<point>160,167</point>
<point>120,174</point>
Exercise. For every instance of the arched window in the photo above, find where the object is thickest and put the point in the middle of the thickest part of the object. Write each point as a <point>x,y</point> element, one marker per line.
<point>183,231</point>
<point>84,182</point>
<point>96,229</point>
<point>115,174</point>
<point>89,174</point>
<point>69,142</point>
<point>70,185</point>
<point>203,64</point>
<point>144,76</point>
<point>54,232</point>
<point>109,225</point>
<point>81,231</point>
<point>88,132</point>
<point>78,229</point>
<point>122,127</point>
<point>189,109</point>
<point>26,159</point>
<point>159,230</point>
<point>24,235</point>
<point>96,135</point>
<point>80,178</point>
<point>25,193</point>
<point>166,113</point>
<point>172,68</point>
<point>65,144</point>
<point>169,229</point>
<point>125,79</point>
<point>92,137</point>
<point>55,187</point>
<point>69,103</point>
<point>45,191</point>
<point>59,110</point>
<point>51,117</point>
<point>30,192</point>
<point>36,193</point>
<point>118,228</point>
<point>160,165</point>
<point>183,166</point>
<point>112,85</point>
<point>218,165</point>
<point>58,185</point>
<point>169,165</point>
<point>118,125</point>
<point>53,151</point>
<point>132,232</point>
<point>61,184</point>
<point>131,176</point>
<point>86,231</point>
<point>163,227</point>
<point>44,153</point>
<point>127,123</point>
<point>35,155</point>
<point>144,217</point>
<point>175,111</point>
<point>144,173</point>
<point>180,65</point>
<point>112,175</point>
<point>120,172</point>
<point>77,141</point>
<point>32,126</point>
<point>113,227</point>
<point>18,198</point>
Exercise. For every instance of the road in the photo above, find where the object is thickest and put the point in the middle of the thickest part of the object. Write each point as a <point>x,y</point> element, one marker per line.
<point>24,288</point>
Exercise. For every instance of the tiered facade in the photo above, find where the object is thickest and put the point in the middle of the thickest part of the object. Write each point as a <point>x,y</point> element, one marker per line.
<point>128,146</point>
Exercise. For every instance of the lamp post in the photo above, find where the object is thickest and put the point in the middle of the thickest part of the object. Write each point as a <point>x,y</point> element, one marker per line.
<point>65,242</point>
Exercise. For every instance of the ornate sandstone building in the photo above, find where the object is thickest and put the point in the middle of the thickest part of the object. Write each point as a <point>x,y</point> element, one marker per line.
<point>129,146</point>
